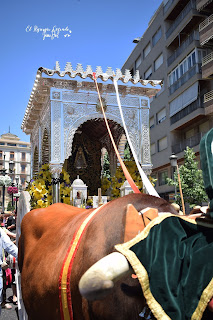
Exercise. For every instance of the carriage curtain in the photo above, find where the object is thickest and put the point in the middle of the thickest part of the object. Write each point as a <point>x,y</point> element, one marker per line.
<point>173,258</point>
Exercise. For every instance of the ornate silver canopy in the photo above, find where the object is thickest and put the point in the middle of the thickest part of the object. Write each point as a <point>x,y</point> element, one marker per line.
<point>110,74</point>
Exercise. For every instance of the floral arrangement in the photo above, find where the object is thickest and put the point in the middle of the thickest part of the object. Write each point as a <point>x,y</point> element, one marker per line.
<point>11,190</point>
<point>5,181</point>
<point>40,188</point>
<point>115,183</point>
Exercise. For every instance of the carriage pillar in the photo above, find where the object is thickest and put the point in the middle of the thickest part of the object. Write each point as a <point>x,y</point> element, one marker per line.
<point>56,169</point>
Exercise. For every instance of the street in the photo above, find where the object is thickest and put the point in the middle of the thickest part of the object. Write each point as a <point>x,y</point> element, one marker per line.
<point>9,314</point>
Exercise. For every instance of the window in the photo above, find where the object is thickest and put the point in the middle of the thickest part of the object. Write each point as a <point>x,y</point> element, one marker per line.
<point>161,115</point>
<point>148,73</point>
<point>183,67</point>
<point>1,165</point>
<point>12,144</point>
<point>1,154</point>
<point>204,127</point>
<point>138,62</point>
<point>162,144</point>
<point>2,143</point>
<point>162,177</point>
<point>184,99</point>
<point>151,122</point>
<point>23,181</point>
<point>23,168</point>
<point>146,50</point>
<point>12,156</point>
<point>23,145</point>
<point>190,133</point>
<point>23,156</point>
<point>156,37</point>
<point>152,149</point>
<point>158,62</point>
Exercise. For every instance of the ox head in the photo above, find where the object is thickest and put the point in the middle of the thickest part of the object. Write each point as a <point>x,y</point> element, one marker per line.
<point>99,280</point>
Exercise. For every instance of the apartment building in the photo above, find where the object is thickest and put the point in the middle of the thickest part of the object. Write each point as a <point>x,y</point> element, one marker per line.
<point>15,157</point>
<point>174,49</point>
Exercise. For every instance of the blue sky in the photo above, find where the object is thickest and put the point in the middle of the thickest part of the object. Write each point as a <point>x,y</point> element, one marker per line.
<point>100,33</point>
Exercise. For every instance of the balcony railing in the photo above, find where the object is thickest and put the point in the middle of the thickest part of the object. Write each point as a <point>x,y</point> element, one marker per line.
<point>205,23</point>
<point>187,110</point>
<point>180,17</point>
<point>193,36</point>
<point>207,59</point>
<point>208,96</point>
<point>201,4</point>
<point>189,74</point>
<point>191,142</point>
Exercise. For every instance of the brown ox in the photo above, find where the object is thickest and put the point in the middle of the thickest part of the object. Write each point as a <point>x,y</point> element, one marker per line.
<point>45,237</point>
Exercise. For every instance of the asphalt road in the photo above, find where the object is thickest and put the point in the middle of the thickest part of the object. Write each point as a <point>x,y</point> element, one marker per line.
<point>12,313</point>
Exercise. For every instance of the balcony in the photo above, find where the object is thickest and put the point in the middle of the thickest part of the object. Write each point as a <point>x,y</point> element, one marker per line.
<point>193,36</point>
<point>180,17</point>
<point>207,66</point>
<point>188,75</point>
<point>191,142</point>
<point>208,102</point>
<point>167,6</point>
<point>206,30</point>
<point>202,4</point>
<point>187,110</point>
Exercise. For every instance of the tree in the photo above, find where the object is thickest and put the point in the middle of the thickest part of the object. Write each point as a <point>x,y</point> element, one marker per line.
<point>127,153</point>
<point>106,166</point>
<point>191,181</point>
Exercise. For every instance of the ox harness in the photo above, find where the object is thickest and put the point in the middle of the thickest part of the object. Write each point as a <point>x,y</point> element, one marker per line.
<point>66,270</point>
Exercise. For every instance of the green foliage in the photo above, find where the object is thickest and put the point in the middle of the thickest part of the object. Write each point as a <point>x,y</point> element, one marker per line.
<point>127,153</point>
<point>106,166</point>
<point>191,181</point>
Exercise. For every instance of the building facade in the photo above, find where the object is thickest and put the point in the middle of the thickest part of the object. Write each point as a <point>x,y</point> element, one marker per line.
<point>15,157</point>
<point>177,48</point>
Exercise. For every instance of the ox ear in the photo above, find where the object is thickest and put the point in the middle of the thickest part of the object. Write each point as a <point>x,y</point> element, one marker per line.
<point>137,221</point>
<point>134,223</point>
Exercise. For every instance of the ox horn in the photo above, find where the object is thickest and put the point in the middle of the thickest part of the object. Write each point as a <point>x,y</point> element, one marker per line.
<point>98,281</point>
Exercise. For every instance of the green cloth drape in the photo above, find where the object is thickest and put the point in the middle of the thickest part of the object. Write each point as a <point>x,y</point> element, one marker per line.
<point>173,259</point>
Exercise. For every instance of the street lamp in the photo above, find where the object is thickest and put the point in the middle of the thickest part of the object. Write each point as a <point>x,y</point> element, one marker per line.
<point>174,165</point>
<point>17,180</point>
<point>173,161</point>
<point>17,195</point>
<point>5,181</point>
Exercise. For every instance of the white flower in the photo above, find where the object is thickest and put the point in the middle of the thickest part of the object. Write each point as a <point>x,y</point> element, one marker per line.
<point>5,181</point>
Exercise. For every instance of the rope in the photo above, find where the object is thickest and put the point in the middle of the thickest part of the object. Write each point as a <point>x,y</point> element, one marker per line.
<point>126,173</point>
<point>149,187</point>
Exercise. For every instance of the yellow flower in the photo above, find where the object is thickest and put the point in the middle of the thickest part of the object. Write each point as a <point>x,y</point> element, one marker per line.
<point>67,200</point>
<point>66,176</point>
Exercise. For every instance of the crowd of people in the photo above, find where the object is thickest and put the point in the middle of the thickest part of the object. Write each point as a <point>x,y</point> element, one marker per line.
<point>8,256</point>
